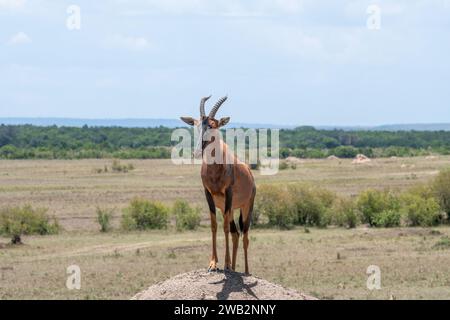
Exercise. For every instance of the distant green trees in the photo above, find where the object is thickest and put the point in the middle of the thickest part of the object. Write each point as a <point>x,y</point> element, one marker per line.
<point>52,142</point>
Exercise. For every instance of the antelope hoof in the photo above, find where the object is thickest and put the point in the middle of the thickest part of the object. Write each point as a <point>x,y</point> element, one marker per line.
<point>212,266</point>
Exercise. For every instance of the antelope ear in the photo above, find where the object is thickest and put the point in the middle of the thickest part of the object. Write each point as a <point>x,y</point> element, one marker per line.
<point>189,120</point>
<point>224,121</point>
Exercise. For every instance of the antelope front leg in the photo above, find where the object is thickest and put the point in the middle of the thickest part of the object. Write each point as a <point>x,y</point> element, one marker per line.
<point>227,216</point>
<point>235,240</point>
<point>212,214</point>
<point>214,260</point>
<point>246,243</point>
<point>226,230</point>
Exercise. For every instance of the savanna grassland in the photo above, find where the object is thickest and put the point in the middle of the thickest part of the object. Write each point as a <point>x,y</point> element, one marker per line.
<point>327,263</point>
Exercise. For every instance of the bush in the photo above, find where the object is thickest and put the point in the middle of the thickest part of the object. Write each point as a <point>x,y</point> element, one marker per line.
<point>441,188</point>
<point>421,211</point>
<point>104,219</point>
<point>143,214</point>
<point>296,204</point>
<point>327,197</point>
<point>312,207</point>
<point>345,213</point>
<point>187,218</point>
<point>274,203</point>
<point>316,153</point>
<point>18,221</point>
<point>387,218</point>
<point>421,190</point>
<point>375,206</point>
<point>345,152</point>
<point>118,167</point>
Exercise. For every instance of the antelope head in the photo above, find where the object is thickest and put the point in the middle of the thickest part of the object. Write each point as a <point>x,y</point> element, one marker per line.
<point>206,123</point>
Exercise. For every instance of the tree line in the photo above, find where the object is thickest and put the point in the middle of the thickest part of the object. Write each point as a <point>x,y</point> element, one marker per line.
<point>53,142</point>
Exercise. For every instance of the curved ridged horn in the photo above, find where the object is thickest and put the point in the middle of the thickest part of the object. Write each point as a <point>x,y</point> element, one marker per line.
<point>202,106</point>
<point>216,107</point>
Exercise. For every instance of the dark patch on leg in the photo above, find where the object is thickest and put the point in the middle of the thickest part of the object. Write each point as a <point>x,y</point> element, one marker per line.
<point>250,212</point>
<point>233,228</point>
<point>228,199</point>
<point>241,222</point>
<point>247,224</point>
<point>210,200</point>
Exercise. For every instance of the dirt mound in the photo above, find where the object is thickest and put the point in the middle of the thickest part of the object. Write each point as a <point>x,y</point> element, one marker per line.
<point>203,285</point>
<point>360,158</point>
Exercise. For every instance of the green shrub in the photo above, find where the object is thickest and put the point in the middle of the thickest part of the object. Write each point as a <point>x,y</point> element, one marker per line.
<point>345,213</point>
<point>441,188</point>
<point>143,214</point>
<point>104,217</point>
<point>315,153</point>
<point>421,211</point>
<point>387,218</point>
<point>327,197</point>
<point>345,152</point>
<point>18,221</point>
<point>422,190</point>
<point>274,203</point>
<point>311,206</point>
<point>297,204</point>
<point>187,218</point>
<point>372,203</point>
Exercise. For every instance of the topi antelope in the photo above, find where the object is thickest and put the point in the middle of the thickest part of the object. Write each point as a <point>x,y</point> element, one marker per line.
<point>228,185</point>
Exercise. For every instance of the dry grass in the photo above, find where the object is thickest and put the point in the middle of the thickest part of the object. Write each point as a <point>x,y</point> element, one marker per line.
<point>72,190</point>
<point>328,264</point>
<point>324,263</point>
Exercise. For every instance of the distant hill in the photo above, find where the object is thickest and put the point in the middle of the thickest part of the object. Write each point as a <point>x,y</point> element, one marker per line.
<point>76,122</point>
<point>393,127</point>
<point>173,123</point>
<point>416,127</point>
<point>127,123</point>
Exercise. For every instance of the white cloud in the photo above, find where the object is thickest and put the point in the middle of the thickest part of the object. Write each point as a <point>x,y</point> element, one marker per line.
<point>128,42</point>
<point>19,38</point>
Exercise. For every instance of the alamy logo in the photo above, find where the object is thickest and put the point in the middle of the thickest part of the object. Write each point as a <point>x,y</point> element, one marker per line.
<point>374,20</point>
<point>250,146</point>
<point>374,279</point>
<point>73,21</point>
<point>74,278</point>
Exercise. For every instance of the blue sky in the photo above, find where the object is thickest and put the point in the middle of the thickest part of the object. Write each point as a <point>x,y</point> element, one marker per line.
<point>280,61</point>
